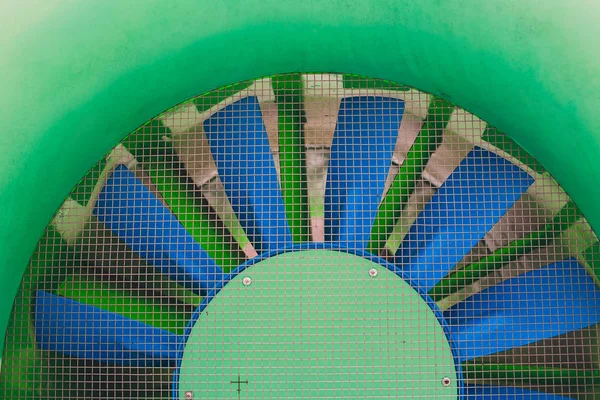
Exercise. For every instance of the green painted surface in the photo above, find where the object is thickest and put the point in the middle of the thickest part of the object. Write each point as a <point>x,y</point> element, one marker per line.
<point>592,257</point>
<point>214,97</point>
<point>426,143</point>
<point>71,89</point>
<point>149,280</point>
<point>566,217</point>
<point>23,366</point>
<point>504,142</point>
<point>138,308</point>
<point>289,95</point>
<point>530,375</point>
<point>362,82</point>
<point>83,190</point>
<point>221,205</point>
<point>162,164</point>
<point>314,324</point>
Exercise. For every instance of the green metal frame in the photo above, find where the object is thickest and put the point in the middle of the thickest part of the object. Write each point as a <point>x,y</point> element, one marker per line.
<point>71,88</point>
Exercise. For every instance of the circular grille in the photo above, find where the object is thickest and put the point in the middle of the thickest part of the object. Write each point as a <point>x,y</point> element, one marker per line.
<point>304,345</point>
<point>396,246</point>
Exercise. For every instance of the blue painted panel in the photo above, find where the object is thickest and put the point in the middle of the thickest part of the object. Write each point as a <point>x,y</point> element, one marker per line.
<point>507,393</point>
<point>361,155</point>
<point>240,147</point>
<point>78,330</point>
<point>134,214</point>
<point>471,201</point>
<point>540,304</point>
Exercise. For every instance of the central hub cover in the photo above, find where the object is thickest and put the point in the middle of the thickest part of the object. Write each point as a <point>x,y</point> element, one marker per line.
<point>317,324</point>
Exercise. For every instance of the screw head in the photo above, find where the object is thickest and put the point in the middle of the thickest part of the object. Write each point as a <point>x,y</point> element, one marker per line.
<point>446,381</point>
<point>373,272</point>
<point>247,281</point>
<point>189,395</point>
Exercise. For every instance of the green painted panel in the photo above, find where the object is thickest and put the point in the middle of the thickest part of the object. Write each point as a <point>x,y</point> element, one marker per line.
<point>592,256</point>
<point>426,143</point>
<point>83,190</point>
<point>315,324</point>
<point>362,82</point>
<point>206,101</point>
<point>289,95</point>
<point>107,297</point>
<point>23,366</point>
<point>566,217</point>
<point>504,142</point>
<point>168,174</point>
<point>530,375</point>
<point>71,89</point>
<point>147,279</point>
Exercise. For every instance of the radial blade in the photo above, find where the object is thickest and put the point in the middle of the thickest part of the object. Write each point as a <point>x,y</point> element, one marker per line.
<point>560,297</point>
<point>150,311</point>
<point>78,330</point>
<point>361,155</point>
<point>130,210</point>
<point>409,175</point>
<point>152,147</point>
<point>241,150</point>
<point>469,203</point>
<point>289,94</point>
<point>567,216</point>
<point>508,393</point>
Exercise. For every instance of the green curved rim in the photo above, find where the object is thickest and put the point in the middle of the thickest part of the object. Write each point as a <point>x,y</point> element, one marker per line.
<point>77,77</point>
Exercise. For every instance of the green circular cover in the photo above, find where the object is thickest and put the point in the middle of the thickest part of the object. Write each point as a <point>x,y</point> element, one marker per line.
<point>316,324</point>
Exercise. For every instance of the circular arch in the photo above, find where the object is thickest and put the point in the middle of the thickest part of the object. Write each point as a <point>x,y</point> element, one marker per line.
<point>77,77</point>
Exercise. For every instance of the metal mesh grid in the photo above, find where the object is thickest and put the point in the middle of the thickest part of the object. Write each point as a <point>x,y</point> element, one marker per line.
<point>356,163</point>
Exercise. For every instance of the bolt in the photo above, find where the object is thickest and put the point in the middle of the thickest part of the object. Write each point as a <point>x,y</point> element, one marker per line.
<point>189,395</point>
<point>247,281</point>
<point>373,272</point>
<point>446,381</point>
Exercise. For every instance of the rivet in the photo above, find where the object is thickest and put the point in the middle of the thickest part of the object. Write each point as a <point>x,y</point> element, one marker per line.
<point>446,381</point>
<point>247,281</point>
<point>189,395</point>
<point>373,272</point>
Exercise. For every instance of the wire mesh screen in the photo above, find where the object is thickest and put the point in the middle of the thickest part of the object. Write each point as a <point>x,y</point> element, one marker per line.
<point>311,236</point>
